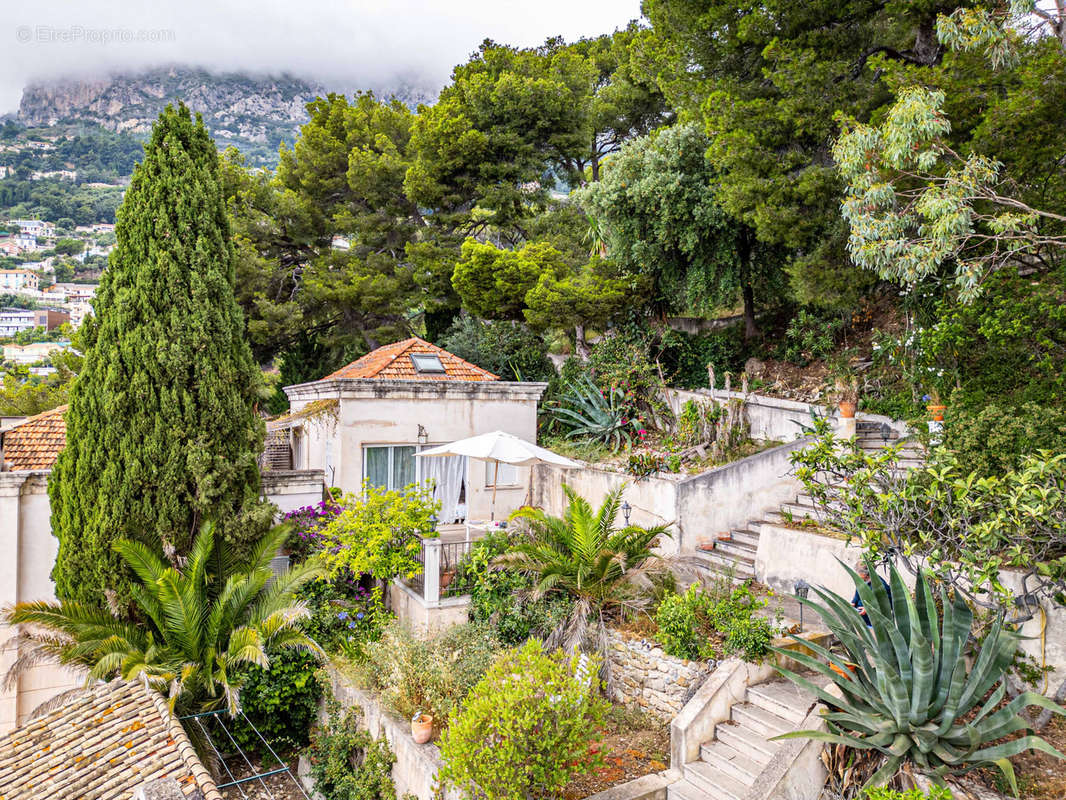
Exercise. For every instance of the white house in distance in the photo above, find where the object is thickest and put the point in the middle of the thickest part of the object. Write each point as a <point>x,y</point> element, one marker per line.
<point>366,421</point>
<point>17,280</point>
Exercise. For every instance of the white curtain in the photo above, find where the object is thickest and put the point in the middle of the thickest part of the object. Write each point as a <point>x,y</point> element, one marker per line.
<point>447,475</point>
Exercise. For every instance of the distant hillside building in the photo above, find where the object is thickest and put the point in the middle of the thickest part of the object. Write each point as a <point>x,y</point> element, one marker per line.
<point>32,353</point>
<point>18,280</point>
<point>15,320</point>
<point>26,241</point>
<point>36,227</point>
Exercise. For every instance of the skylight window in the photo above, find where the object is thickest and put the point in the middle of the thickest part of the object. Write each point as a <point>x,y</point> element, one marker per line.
<point>427,364</point>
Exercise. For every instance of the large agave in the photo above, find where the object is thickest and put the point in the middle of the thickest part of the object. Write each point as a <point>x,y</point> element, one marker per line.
<point>909,692</point>
<point>589,412</point>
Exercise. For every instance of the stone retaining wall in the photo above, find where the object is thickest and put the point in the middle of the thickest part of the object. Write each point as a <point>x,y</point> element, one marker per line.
<point>643,675</point>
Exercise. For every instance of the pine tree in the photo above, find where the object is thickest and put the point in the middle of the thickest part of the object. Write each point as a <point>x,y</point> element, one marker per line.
<point>162,432</point>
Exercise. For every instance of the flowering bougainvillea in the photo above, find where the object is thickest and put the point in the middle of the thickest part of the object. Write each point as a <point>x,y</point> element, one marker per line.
<point>308,522</point>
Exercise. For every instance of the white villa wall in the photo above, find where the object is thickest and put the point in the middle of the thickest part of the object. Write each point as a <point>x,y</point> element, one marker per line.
<point>25,572</point>
<point>382,412</point>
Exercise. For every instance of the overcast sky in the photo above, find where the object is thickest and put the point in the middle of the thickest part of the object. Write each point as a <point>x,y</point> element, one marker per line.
<point>338,42</point>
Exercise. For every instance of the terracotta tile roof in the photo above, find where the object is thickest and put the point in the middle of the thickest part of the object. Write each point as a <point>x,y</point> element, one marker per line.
<point>35,443</point>
<point>103,743</point>
<point>393,362</point>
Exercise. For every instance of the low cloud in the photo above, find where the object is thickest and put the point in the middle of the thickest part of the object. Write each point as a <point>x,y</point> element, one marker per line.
<point>341,44</point>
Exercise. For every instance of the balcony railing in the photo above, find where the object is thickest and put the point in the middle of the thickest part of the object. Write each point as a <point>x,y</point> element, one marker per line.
<point>439,560</point>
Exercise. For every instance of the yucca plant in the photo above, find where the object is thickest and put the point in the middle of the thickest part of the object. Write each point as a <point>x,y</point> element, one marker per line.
<point>908,689</point>
<point>197,625</point>
<point>584,555</point>
<point>601,415</point>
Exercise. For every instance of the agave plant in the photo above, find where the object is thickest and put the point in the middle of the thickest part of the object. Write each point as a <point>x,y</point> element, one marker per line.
<point>198,625</point>
<point>605,569</point>
<point>588,411</point>
<point>907,689</point>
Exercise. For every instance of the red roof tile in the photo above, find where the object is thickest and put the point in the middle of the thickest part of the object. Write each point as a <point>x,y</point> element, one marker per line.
<point>393,362</point>
<point>35,443</point>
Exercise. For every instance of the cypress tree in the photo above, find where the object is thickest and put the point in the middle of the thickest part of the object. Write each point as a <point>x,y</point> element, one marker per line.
<point>162,432</point>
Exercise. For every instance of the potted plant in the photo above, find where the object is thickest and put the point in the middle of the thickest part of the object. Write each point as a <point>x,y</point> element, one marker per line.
<point>446,577</point>
<point>421,727</point>
<point>845,384</point>
<point>934,406</point>
<point>847,390</point>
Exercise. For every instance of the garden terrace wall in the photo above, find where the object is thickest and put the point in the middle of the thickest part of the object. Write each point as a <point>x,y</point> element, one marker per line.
<point>700,507</point>
<point>415,770</point>
<point>772,418</point>
<point>643,675</point>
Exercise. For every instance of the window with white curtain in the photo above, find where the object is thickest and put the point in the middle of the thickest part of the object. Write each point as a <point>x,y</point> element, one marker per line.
<point>395,466</point>
<point>391,466</point>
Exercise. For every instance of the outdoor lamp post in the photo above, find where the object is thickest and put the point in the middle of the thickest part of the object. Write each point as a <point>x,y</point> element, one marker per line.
<point>626,511</point>
<point>886,432</point>
<point>802,590</point>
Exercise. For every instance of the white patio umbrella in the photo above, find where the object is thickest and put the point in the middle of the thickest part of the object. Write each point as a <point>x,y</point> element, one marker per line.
<point>499,448</point>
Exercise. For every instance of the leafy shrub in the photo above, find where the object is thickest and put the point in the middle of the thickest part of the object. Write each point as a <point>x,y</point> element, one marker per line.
<point>347,763</point>
<point>964,528</point>
<point>641,465</point>
<point>811,336</point>
<point>526,727</point>
<point>678,627</point>
<point>623,360</point>
<point>379,533</point>
<point>503,597</point>
<point>684,357</point>
<point>508,349</point>
<point>704,625</point>
<point>909,689</point>
<point>344,614</point>
<point>994,439</point>
<point>281,701</point>
<point>431,676</point>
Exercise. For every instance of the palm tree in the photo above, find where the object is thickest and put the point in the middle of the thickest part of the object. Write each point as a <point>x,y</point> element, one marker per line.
<point>607,570</point>
<point>198,625</point>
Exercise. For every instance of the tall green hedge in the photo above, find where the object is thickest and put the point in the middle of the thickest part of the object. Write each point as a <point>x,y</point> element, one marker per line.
<point>161,431</point>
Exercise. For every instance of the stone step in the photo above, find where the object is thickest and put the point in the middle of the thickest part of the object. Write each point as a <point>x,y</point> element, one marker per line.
<point>747,743</point>
<point>714,782</point>
<point>735,548</point>
<point>684,789</point>
<point>797,511</point>
<point>782,698</point>
<point>746,536</point>
<point>731,762</point>
<point>759,720</point>
<point>726,566</point>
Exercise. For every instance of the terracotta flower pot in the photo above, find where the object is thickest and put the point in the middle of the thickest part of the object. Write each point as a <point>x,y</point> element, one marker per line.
<point>422,728</point>
<point>847,409</point>
<point>937,412</point>
<point>446,578</point>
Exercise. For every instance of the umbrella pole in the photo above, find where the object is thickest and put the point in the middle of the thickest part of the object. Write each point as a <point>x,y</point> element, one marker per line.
<point>495,480</point>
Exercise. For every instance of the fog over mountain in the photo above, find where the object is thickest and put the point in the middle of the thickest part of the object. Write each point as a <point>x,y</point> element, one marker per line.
<point>336,43</point>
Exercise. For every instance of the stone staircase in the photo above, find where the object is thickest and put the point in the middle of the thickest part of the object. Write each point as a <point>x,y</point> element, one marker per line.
<point>734,556</point>
<point>729,764</point>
